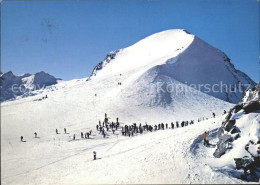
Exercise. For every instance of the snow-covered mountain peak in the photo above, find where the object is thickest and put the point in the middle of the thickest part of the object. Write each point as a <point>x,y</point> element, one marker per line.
<point>182,57</point>
<point>148,52</point>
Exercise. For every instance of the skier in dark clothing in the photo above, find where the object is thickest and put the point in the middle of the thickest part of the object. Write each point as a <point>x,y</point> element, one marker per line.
<point>56,131</point>
<point>117,120</point>
<point>21,138</point>
<point>65,130</point>
<point>81,134</point>
<point>95,155</point>
<point>88,133</point>
<point>172,125</point>
<point>213,115</point>
<point>35,134</point>
<point>166,125</point>
<point>97,127</point>
<point>225,111</point>
<point>177,124</point>
<point>74,136</point>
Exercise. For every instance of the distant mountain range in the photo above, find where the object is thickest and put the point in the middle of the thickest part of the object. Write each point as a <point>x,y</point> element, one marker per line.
<point>22,85</point>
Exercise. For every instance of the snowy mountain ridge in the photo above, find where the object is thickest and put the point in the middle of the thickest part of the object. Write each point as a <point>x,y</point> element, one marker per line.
<point>13,86</point>
<point>180,56</point>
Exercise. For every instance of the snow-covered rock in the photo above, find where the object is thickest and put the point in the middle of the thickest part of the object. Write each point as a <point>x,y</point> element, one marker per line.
<point>23,85</point>
<point>242,127</point>
<point>178,56</point>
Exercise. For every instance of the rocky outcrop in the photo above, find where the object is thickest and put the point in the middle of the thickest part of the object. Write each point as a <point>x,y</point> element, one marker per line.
<point>230,131</point>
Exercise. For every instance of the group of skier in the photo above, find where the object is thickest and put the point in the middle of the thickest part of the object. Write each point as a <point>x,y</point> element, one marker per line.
<point>130,130</point>
<point>106,126</point>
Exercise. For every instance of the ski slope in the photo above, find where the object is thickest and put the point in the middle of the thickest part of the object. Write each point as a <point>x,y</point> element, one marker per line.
<point>56,159</point>
<point>165,156</point>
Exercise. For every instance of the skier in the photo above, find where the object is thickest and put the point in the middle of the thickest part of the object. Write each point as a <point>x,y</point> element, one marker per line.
<point>56,131</point>
<point>141,130</point>
<point>65,130</point>
<point>35,134</point>
<point>74,136</point>
<point>113,130</point>
<point>117,120</point>
<point>105,115</point>
<point>21,138</point>
<point>213,115</point>
<point>123,130</point>
<point>95,155</point>
<point>81,134</point>
<point>88,133</point>
<point>166,125</point>
<point>172,125</point>
<point>206,142</point>
<point>97,127</point>
<point>225,111</point>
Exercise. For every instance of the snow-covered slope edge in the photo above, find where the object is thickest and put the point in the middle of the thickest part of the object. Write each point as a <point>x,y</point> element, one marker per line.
<point>180,56</point>
<point>23,85</point>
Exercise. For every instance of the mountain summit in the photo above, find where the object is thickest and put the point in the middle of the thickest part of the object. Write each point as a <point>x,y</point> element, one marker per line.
<point>177,56</point>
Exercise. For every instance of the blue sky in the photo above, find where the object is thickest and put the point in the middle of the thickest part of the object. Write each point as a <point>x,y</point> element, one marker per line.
<point>68,38</point>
